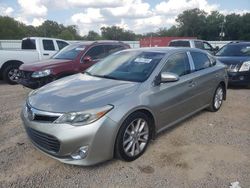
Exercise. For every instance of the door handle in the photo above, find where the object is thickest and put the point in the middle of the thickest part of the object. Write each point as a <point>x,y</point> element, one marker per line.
<point>45,54</point>
<point>191,83</point>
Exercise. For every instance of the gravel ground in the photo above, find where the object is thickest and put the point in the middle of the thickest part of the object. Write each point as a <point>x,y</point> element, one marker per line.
<point>208,150</point>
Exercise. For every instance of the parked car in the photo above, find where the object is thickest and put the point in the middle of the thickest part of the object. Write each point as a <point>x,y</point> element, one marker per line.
<point>236,55</point>
<point>33,49</point>
<point>194,43</point>
<point>120,103</point>
<point>73,59</point>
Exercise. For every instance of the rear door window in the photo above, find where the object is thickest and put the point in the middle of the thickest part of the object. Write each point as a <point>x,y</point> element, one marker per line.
<point>207,46</point>
<point>29,44</point>
<point>61,44</point>
<point>96,52</point>
<point>201,60</point>
<point>178,64</point>
<point>48,45</point>
<point>180,43</point>
<point>199,44</point>
<point>110,49</point>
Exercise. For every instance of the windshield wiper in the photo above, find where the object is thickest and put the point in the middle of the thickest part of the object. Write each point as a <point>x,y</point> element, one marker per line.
<point>101,76</point>
<point>109,77</point>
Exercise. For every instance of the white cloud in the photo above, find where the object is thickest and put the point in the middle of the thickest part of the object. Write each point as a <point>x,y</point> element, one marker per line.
<point>6,11</point>
<point>236,11</point>
<point>131,9</point>
<point>33,7</point>
<point>37,21</point>
<point>96,3</point>
<point>172,7</point>
<point>91,15</point>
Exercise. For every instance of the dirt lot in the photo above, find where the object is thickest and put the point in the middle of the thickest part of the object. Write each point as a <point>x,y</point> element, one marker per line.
<point>208,150</point>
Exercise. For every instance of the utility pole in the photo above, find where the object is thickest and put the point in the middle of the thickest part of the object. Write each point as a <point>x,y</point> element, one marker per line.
<point>222,33</point>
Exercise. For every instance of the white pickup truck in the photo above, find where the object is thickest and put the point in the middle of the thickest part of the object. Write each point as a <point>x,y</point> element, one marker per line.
<point>33,49</point>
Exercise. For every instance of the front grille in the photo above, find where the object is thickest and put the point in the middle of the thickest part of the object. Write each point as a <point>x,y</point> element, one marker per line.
<point>233,67</point>
<point>45,118</point>
<point>26,74</point>
<point>35,115</point>
<point>44,141</point>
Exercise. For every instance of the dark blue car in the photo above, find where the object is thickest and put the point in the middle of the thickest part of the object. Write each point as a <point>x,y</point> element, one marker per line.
<point>236,55</point>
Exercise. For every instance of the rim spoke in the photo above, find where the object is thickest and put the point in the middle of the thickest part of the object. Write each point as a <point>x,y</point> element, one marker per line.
<point>142,139</point>
<point>141,127</point>
<point>143,133</point>
<point>138,149</point>
<point>133,150</point>
<point>138,125</point>
<point>128,132</point>
<point>128,146</point>
<point>127,141</point>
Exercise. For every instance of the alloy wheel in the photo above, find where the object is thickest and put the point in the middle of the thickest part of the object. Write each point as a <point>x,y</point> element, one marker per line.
<point>14,74</point>
<point>218,98</point>
<point>136,137</point>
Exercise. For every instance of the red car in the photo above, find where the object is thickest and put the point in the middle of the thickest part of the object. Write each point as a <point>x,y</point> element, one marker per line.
<point>72,59</point>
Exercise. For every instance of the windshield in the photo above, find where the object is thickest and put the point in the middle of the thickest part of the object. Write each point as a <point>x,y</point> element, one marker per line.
<point>234,50</point>
<point>133,66</point>
<point>70,52</point>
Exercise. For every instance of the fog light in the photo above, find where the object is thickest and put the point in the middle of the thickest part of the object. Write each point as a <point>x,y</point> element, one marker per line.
<point>241,77</point>
<point>81,153</point>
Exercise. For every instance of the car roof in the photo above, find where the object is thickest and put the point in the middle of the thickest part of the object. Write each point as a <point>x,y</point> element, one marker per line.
<point>99,42</point>
<point>166,49</point>
<point>239,43</point>
<point>186,40</point>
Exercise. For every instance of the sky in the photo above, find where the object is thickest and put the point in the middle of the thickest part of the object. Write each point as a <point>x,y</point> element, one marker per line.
<point>140,16</point>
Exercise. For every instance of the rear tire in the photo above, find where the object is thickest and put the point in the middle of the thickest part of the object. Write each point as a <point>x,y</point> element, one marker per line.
<point>11,74</point>
<point>133,137</point>
<point>217,99</point>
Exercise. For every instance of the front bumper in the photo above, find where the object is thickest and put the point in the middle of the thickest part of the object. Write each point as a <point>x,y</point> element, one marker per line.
<point>99,137</point>
<point>239,78</point>
<point>34,83</point>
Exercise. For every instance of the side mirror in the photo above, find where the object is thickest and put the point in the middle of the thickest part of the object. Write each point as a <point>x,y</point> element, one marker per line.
<point>166,77</point>
<point>87,59</point>
<point>216,48</point>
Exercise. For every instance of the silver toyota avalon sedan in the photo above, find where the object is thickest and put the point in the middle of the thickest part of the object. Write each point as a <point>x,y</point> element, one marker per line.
<point>119,104</point>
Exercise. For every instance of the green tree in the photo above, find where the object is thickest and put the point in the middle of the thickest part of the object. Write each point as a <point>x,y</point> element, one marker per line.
<point>92,35</point>
<point>191,22</point>
<point>117,33</point>
<point>11,29</point>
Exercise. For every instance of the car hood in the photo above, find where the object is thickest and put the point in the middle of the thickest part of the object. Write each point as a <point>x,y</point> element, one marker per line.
<point>232,59</point>
<point>80,92</point>
<point>45,64</point>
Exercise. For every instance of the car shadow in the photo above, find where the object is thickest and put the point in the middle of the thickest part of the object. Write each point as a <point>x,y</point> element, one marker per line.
<point>237,87</point>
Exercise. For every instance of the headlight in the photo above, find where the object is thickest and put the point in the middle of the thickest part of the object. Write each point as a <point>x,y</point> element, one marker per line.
<point>39,74</point>
<point>84,117</point>
<point>245,66</point>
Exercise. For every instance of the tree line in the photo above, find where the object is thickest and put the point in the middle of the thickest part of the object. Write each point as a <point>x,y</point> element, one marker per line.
<point>192,23</point>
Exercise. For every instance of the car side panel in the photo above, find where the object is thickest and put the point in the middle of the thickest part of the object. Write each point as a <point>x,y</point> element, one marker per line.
<point>171,101</point>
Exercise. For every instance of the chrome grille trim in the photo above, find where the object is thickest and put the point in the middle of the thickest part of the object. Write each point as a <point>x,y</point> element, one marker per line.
<point>41,116</point>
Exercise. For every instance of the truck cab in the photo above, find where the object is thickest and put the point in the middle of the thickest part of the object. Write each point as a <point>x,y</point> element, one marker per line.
<point>33,49</point>
<point>194,43</point>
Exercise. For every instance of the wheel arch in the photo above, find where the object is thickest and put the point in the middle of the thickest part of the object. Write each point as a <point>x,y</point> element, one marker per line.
<point>10,62</point>
<point>223,84</point>
<point>148,113</point>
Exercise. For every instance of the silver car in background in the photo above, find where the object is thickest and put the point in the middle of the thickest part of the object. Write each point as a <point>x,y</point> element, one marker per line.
<point>120,103</point>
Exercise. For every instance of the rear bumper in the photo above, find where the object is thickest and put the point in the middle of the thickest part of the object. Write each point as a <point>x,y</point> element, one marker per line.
<point>239,78</point>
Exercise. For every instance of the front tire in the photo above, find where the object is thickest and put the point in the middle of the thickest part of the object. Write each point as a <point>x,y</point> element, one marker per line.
<point>133,137</point>
<point>217,99</point>
<point>11,74</point>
